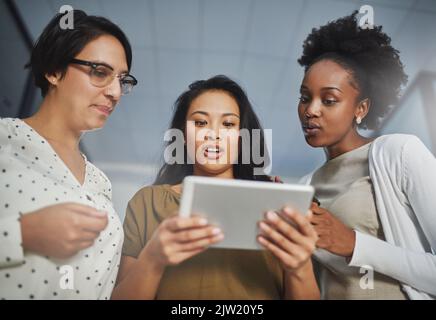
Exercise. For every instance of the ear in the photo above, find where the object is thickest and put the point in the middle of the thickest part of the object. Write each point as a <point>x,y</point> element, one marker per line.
<point>363,108</point>
<point>53,79</point>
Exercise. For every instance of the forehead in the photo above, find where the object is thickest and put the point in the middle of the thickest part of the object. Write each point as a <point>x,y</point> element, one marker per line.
<point>327,73</point>
<point>215,102</point>
<point>107,49</point>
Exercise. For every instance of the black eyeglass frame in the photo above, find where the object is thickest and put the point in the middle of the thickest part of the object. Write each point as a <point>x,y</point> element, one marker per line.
<point>94,65</point>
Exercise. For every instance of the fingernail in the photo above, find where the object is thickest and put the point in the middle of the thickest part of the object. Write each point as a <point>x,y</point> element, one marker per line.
<point>271,216</point>
<point>263,225</point>
<point>202,222</point>
<point>101,213</point>
<point>216,231</point>
<point>289,211</point>
<point>220,237</point>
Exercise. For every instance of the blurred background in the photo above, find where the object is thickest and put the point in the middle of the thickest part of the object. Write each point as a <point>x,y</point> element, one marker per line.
<point>255,42</point>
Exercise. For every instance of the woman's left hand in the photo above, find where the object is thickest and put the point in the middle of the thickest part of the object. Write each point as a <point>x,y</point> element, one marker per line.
<point>292,241</point>
<point>334,236</point>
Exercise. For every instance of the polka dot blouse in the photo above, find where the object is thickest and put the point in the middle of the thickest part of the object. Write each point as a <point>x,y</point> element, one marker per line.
<point>33,176</point>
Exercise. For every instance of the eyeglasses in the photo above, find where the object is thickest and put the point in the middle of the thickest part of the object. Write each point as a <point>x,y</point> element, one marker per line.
<point>101,75</point>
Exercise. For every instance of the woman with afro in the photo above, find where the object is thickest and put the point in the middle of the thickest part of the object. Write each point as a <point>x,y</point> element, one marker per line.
<point>376,220</point>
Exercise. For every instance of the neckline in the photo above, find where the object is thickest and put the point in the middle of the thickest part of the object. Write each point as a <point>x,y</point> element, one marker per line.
<point>346,154</point>
<point>81,185</point>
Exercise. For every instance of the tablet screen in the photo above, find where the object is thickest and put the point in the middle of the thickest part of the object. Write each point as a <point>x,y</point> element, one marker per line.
<point>237,205</point>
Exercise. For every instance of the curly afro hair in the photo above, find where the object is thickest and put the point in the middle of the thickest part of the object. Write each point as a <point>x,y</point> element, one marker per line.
<point>367,54</point>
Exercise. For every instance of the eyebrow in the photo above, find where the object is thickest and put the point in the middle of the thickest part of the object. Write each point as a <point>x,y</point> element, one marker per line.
<point>109,66</point>
<point>331,88</point>
<point>303,87</point>
<point>101,63</point>
<point>223,115</point>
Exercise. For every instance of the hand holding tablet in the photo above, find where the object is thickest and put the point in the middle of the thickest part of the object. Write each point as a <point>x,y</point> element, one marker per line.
<point>236,206</point>
<point>179,238</point>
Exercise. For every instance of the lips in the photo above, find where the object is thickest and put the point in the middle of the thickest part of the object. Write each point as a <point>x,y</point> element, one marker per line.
<point>106,110</point>
<point>311,128</point>
<point>213,151</point>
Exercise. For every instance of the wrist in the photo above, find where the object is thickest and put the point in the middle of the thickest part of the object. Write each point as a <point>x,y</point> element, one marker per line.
<point>27,230</point>
<point>151,261</point>
<point>350,251</point>
<point>301,273</point>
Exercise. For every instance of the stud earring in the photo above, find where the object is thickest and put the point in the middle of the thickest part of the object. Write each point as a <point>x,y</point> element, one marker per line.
<point>358,120</point>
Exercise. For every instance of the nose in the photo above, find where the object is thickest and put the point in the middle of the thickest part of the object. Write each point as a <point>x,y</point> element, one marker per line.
<point>113,90</point>
<point>313,109</point>
<point>213,132</point>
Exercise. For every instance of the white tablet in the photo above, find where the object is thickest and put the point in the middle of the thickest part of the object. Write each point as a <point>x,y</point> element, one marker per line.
<point>237,205</point>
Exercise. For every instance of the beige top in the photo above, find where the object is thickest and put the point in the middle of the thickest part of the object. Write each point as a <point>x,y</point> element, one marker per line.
<point>343,187</point>
<point>213,274</point>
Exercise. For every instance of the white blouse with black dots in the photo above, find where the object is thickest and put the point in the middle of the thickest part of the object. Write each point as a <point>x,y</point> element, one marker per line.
<point>33,176</point>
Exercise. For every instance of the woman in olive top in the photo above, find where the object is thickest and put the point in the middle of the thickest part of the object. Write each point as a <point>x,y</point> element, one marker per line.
<point>165,256</point>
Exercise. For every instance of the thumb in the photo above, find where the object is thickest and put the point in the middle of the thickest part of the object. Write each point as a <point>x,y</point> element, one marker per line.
<point>98,213</point>
<point>309,215</point>
<point>93,212</point>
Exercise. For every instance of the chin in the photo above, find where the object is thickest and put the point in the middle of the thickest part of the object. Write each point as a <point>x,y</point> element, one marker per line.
<point>95,124</point>
<point>314,141</point>
<point>214,169</point>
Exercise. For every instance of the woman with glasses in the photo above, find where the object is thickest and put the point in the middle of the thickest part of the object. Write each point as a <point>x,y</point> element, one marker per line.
<point>60,235</point>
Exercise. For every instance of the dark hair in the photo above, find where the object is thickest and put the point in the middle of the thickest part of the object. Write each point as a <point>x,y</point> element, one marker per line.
<point>367,54</point>
<point>56,46</point>
<point>174,173</point>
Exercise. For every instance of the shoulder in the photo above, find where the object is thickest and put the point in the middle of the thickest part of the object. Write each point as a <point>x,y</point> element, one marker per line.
<point>396,143</point>
<point>11,135</point>
<point>7,131</point>
<point>396,146</point>
<point>157,197</point>
<point>6,122</point>
<point>401,156</point>
<point>148,191</point>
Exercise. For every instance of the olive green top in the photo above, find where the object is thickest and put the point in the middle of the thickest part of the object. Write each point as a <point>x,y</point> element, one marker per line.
<point>212,274</point>
<point>343,186</point>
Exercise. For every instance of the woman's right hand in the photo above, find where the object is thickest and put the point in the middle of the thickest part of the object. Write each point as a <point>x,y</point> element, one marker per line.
<point>61,230</point>
<point>178,239</point>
